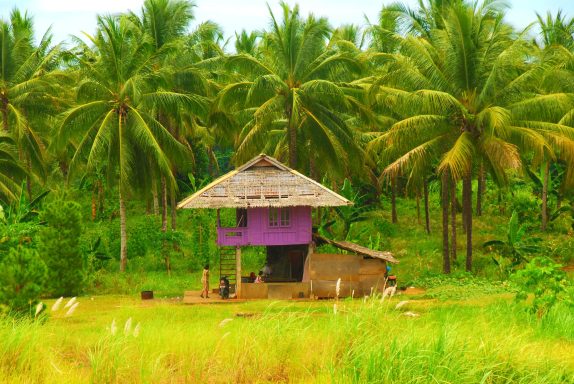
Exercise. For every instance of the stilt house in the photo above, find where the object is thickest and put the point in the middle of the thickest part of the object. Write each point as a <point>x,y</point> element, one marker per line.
<point>273,206</point>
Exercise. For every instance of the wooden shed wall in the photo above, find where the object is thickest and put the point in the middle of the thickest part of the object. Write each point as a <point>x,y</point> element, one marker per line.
<point>356,274</point>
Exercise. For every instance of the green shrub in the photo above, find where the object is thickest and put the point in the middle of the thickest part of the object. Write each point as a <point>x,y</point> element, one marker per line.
<point>144,234</point>
<point>547,281</point>
<point>22,278</point>
<point>562,250</point>
<point>527,205</point>
<point>59,244</point>
<point>459,286</point>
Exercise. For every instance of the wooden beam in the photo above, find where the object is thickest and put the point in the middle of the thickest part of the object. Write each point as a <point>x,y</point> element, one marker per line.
<point>238,272</point>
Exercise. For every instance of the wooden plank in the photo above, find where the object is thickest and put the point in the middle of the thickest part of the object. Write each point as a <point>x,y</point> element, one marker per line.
<point>326,288</point>
<point>334,257</point>
<point>368,281</point>
<point>279,291</point>
<point>372,267</point>
<point>300,289</point>
<point>333,267</point>
<point>238,272</point>
<point>254,291</point>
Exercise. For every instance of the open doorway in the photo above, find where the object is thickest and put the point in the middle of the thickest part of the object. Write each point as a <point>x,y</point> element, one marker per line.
<point>287,262</point>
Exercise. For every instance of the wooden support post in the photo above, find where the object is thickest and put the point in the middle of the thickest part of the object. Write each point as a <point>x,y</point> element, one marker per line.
<point>238,272</point>
<point>307,270</point>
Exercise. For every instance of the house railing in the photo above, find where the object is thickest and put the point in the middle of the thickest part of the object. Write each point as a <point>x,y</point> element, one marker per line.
<point>232,236</point>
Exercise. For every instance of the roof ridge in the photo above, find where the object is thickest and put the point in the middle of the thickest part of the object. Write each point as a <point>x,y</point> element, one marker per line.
<point>232,200</point>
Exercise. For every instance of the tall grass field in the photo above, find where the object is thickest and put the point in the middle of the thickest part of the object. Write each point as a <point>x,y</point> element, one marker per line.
<point>120,339</point>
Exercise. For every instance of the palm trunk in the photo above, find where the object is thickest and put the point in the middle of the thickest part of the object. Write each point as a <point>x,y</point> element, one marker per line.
<point>444,205</point>
<point>480,190</point>
<point>312,168</point>
<point>173,209</point>
<point>94,202</point>
<point>453,220</point>
<point>28,179</point>
<point>123,234</point>
<point>164,224</point>
<point>292,138</point>
<point>101,197</point>
<point>545,195</point>
<point>394,200</point>
<point>163,205</point>
<point>418,200</point>
<point>467,209</point>
<point>501,209</point>
<point>155,199</point>
<point>426,200</point>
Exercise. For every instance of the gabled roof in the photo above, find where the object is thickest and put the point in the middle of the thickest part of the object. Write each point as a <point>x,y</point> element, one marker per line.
<point>263,182</point>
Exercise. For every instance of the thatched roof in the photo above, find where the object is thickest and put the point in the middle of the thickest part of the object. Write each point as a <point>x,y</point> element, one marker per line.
<point>263,182</point>
<point>358,249</point>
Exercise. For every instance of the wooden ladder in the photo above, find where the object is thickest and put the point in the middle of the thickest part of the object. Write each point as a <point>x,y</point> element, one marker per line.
<point>227,265</point>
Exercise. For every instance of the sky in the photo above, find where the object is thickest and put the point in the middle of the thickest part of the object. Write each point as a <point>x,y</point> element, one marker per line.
<point>72,17</point>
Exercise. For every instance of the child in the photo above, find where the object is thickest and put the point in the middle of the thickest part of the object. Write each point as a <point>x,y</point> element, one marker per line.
<point>224,288</point>
<point>259,278</point>
<point>205,282</point>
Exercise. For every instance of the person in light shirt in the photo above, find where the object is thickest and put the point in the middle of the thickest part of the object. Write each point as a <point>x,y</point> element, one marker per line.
<point>205,282</point>
<point>259,278</point>
<point>267,271</point>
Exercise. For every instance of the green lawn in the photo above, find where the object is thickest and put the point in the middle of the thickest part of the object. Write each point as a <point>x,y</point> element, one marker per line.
<point>487,339</point>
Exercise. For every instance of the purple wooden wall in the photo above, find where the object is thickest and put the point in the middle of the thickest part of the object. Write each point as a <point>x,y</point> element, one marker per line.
<point>258,231</point>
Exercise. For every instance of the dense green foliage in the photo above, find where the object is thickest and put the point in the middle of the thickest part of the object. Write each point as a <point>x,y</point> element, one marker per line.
<point>22,279</point>
<point>59,245</point>
<point>549,284</point>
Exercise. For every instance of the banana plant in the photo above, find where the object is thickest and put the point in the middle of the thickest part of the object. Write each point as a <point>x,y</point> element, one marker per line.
<point>517,245</point>
<point>564,210</point>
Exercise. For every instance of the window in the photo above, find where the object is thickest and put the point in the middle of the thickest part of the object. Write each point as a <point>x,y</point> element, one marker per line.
<point>285,217</point>
<point>273,217</point>
<point>241,217</point>
<point>279,217</point>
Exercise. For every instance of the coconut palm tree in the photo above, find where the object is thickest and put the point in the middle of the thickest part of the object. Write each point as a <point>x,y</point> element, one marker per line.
<point>247,43</point>
<point>548,108</point>
<point>290,100</point>
<point>113,121</point>
<point>28,84</point>
<point>11,173</point>
<point>556,30</point>
<point>455,85</point>
<point>165,23</point>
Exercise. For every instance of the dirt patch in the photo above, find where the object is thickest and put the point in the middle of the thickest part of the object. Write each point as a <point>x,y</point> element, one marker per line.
<point>413,291</point>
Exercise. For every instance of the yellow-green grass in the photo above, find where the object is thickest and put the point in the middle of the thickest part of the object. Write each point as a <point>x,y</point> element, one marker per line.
<point>487,339</point>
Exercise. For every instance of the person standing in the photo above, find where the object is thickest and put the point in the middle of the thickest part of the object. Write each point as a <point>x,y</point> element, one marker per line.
<point>267,271</point>
<point>205,282</point>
